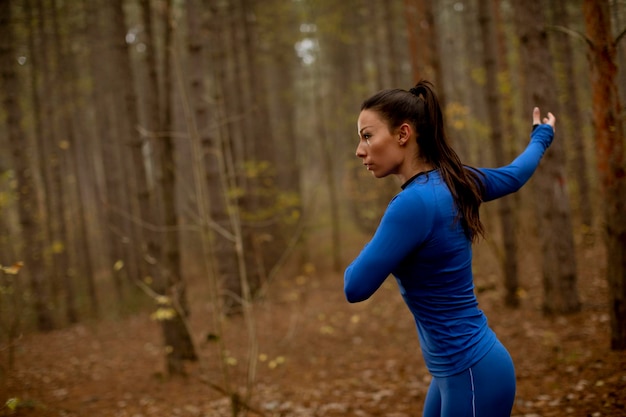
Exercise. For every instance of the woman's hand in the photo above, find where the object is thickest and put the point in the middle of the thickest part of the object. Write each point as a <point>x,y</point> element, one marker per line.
<point>549,120</point>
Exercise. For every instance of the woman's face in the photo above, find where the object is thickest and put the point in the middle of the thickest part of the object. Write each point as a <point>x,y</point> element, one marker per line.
<point>382,151</point>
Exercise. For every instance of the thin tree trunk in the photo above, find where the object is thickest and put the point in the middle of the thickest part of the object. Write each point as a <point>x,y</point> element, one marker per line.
<point>127,120</point>
<point>105,141</point>
<point>609,128</point>
<point>572,112</point>
<point>175,332</point>
<point>114,169</point>
<point>219,183</point>
<point>21,154</point>
<point>550,186</point>
<point>393,54</point>
<point>39,61</point>
<point>366,198</point>
<point>238,143</point>
<point>82,172</point>
<point>507,115</point>
<point>149,244</point>
<point>51,155</point>
<point>375,38</point>
<point>282,95</point>
<point>505,205</point>
<point>422,30</point>
<point>267,240</point>
<point>63,124</point>
<point>331,185</point>
<point>618,9</point>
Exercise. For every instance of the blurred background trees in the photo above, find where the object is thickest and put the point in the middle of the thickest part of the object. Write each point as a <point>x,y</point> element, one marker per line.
<point>157,146</point>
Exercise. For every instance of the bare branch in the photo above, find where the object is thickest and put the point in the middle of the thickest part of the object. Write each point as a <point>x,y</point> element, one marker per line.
<point>619,37</point>
<point>573,33</point>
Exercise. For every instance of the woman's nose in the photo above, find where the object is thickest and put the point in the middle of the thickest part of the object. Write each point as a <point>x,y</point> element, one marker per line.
<point>360,152</point>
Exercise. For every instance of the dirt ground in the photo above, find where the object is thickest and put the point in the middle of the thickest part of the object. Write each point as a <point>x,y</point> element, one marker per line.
<point>316,355</point>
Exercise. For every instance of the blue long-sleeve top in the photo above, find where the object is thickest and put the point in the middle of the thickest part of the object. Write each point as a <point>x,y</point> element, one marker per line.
<point>421,244</point>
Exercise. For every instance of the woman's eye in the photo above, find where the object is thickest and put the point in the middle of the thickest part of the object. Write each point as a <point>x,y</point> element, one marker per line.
<point>366,138</point>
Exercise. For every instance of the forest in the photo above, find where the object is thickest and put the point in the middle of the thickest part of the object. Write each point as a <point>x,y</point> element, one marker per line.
<point>180,197</point>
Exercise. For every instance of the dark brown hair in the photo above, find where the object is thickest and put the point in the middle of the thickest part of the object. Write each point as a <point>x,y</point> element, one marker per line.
<point>420,107</point>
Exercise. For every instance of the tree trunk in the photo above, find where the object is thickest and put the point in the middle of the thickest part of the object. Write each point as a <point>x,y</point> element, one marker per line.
<point>505,205</point>
<point>102,137</point>
<point>609,129</point>
<point>220,172</point>
<point>282,91</point>
<point>127,120</point>
<point>21,154</point>
<point>81,171</point>
<point>422,30</point>
<point>149,245</point>
<point>175,333</point>
<point>390,44</point>
<point>327,153</point>
<point>263,223</point>
<point>113,169</point>
<point>231,75</point>
<point>39,63</point>
<point>63,126</point>
<point>366,198</point>
<point>573,117</point>
<point>550,186</point>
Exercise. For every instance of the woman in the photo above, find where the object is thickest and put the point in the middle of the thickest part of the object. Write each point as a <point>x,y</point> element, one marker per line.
<point>424,239</point>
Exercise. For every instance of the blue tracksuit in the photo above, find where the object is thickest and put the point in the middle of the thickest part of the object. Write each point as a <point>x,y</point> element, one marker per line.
<point>419,242</point>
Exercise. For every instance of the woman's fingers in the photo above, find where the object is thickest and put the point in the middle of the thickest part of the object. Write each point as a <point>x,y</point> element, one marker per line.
<point>549,119</point>
<point>536,116</point>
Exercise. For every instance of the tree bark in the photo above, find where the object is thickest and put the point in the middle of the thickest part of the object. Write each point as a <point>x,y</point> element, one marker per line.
<point>81,169</point>
<point>102,136</point>
<point>175,333</point>
<point>127,120</point>
<point>572,114</point>
<point>609,130</point>
<point>60,167</point>
<point>21,155</point>
<point>550,186</point>
<point>114,170</point>
<point>220,170</point>
<point>493,100</point>
<point>422,30</point>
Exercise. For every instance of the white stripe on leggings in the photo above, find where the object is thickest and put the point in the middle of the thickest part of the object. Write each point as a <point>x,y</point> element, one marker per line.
<point>473,394</point>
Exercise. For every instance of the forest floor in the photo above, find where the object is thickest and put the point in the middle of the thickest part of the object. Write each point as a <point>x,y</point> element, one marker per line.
<point>317,355</point>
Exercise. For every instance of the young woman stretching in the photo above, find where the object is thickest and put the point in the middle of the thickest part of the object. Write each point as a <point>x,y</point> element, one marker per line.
<point>425,240</point>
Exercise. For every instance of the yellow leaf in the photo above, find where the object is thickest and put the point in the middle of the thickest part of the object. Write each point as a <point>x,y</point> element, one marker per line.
<point>57,247</point>
<point>162,314</point>
<point>118,265</point>
<point>13,269</point>
<point>13,403</point>
<point>163,300</point>
<point>326,329</point>
<point>309,268</point>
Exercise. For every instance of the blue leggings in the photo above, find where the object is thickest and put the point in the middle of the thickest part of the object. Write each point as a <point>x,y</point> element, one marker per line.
<point>485,389</point>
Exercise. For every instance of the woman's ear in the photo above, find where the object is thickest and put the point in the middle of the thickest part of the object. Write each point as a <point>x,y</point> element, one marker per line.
<point>404,133</point>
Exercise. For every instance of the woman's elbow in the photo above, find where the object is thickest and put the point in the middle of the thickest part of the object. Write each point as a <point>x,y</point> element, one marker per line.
<point>354,296</point>
<point>354,293</point>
